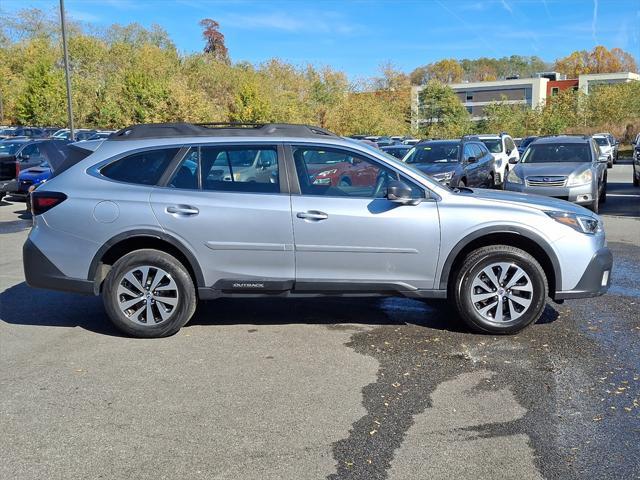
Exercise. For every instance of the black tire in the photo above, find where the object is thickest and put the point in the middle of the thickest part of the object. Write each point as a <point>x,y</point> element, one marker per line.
<point>461,288</point>
<point>603,192</point>
<point>492,180</point>
<point>636,182</point>
<point>186,294</point>
<point>610,164</point>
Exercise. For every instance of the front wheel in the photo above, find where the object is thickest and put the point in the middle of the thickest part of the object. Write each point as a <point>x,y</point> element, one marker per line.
<point>499,289</point>
<point>149,294</point>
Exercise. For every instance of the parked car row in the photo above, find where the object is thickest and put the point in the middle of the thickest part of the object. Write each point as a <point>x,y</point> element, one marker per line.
<point>53,132</point>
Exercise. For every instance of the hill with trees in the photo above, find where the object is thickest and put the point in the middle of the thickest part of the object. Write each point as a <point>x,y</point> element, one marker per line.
<point>126,74</point>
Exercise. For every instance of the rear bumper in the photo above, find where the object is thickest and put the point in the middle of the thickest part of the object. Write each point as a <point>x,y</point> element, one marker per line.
<point>39,272</point>
<point>595,280</point>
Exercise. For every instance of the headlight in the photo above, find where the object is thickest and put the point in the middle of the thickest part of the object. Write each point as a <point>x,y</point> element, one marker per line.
<point>513,177</point>
<point>443,177</point>
<point>581,178</point>
<point>581,223</point>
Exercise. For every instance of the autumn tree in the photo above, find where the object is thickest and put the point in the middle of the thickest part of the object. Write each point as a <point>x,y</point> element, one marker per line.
<point>446,71</point>
<point>215,40</point>
<point>599,60</point>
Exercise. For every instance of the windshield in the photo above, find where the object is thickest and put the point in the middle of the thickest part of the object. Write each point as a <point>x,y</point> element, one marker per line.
<point>8,148</point>
<point>557,152</point>
<point>603,142</point>
<point>494,145</point>
<point>446,152</point>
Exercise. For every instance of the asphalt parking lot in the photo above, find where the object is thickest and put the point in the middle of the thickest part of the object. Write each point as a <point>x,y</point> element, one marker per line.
<point>306,389</point>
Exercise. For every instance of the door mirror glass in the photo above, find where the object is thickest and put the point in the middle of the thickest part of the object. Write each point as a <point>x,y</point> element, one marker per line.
<point>400,192</point>
<point>24,157</point>
<point>472,160</point>
<point>513,160</point>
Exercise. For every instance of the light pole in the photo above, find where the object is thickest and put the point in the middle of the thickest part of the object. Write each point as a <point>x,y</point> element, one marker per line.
<point>66,70</point>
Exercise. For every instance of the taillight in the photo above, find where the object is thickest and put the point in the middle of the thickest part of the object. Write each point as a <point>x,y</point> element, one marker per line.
<point>43,201</point>
<point>17,169</point>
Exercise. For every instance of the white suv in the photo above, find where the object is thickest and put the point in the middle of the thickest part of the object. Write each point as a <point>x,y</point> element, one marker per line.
<point>504,150</point>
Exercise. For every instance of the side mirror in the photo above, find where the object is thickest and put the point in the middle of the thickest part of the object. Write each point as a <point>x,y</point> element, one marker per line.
<point>24,158</point>
<point>263,164</point>
<point>472,160</point>
<point>513,160</point>
<point>399,192</point>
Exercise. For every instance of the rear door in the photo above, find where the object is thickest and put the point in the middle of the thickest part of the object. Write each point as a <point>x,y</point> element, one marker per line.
<point>349,237</point>
<point>237,221</point>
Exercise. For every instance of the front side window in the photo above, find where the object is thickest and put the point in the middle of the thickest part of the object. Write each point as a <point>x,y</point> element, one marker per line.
<point>143,168</point>
<point>478,152</point>
<point>239,169</point>
<point>334,172</point>
<point>557,152</point>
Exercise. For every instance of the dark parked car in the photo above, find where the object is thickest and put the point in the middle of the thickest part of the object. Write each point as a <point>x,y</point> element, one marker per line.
<point>524,143</point>
<point>31,132</point>
<point>457,163</point>
<point>398,151</point>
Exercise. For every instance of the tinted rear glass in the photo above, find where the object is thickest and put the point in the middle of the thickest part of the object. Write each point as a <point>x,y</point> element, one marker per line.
<point>557,152</point>
<point>603,142</point>
<point>494,146</point>
<point>144,168</point>
<point>8,148</point>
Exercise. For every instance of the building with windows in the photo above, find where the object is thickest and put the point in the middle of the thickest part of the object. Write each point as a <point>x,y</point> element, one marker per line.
<point>529,92</point>
<point>589,81</point>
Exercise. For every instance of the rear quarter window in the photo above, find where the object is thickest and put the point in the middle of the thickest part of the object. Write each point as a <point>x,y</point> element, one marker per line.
<point>142,168</point>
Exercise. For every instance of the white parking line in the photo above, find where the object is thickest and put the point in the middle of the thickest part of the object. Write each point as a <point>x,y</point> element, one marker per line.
<point>622,195</point>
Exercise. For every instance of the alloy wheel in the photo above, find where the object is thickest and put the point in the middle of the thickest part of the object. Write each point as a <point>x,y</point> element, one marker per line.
<point>501,292</point>
<point>147,295</point>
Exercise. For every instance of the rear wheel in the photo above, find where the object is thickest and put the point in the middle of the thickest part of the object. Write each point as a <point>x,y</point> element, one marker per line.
<point>636,182</point>
<point>499,289</point>
<point>149,294</point>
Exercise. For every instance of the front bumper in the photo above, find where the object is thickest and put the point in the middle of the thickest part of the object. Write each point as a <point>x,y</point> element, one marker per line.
<point>580,194</point>
<point>39,272</point>
<point>595,280</point>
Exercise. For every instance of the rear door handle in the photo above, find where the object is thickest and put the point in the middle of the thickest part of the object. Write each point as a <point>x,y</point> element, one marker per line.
<point>182,210</point>
<point>313,215</point>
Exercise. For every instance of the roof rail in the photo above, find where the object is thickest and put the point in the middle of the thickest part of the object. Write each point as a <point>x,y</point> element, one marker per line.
<point>218,129</point>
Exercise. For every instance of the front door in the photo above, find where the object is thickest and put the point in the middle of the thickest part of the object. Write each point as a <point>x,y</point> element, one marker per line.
<point>232,215</point>
<point>348,236</point>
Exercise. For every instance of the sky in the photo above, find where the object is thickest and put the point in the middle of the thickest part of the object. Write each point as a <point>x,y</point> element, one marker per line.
<point>359,36</point>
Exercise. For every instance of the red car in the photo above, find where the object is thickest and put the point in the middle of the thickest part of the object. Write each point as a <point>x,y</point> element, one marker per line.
<point>334,169</point>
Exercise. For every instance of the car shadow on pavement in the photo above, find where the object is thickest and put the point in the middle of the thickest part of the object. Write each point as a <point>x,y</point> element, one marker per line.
<point>623,200</point>
<point>23,305</point>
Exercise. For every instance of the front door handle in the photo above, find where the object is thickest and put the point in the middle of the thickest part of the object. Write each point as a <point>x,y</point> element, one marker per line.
<point>182,210</point>
<point>313,215</point>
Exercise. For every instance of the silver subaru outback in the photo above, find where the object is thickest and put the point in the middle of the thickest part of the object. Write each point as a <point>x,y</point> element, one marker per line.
<point>155,218</point>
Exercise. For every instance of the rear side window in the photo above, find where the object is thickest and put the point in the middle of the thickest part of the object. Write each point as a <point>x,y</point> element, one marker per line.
<point>240,169</point>
<point>143,168</point>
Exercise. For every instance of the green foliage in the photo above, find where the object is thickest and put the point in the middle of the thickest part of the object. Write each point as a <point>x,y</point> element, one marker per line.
<point>444,116</point>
